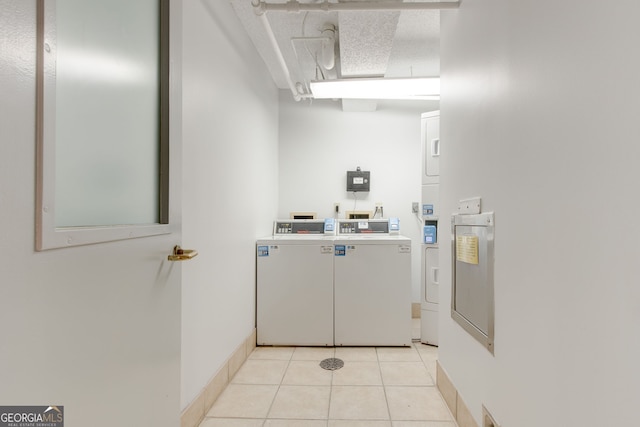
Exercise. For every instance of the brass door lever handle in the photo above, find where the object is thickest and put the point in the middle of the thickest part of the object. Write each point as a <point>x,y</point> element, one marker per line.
<point>180,254</point>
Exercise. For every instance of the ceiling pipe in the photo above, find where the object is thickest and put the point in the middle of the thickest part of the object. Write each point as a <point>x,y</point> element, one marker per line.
<point>295,6</point>
<point>298,95</point>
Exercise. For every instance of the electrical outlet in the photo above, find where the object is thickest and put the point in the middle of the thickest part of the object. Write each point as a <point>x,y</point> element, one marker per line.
<point>415,206</point>
<point>336,208</point>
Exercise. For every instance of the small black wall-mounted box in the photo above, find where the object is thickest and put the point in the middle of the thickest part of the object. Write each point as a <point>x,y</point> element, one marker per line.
<point>358,180</point>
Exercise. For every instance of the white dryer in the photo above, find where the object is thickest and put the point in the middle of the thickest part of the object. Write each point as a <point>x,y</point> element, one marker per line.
<point>430,284</point>
<point>372,284</point>
<point>430,211</point>
<point>294,284</point>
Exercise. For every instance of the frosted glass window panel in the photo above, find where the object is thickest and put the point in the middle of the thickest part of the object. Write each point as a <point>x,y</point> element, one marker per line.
<point>107,112</point>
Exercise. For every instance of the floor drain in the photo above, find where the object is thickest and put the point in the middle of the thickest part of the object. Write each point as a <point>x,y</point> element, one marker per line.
<point>331,364</point>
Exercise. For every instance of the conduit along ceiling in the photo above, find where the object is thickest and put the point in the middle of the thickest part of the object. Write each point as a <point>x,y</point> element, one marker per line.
<point>309,41</point>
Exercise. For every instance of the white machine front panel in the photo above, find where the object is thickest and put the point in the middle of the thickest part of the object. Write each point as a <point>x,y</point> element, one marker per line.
<point>429,327</point>
<point>295,293</point>
<point>430,295</point>
<point>431,274</point>
<point>373,292</point>
<point>430,147</point>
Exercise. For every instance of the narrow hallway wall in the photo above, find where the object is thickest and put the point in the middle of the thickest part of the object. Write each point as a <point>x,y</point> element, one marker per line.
<point>230,186</point>
<point>540,103</point>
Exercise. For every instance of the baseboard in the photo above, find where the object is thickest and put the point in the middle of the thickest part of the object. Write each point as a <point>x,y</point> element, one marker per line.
<point>416,310</point>
<point>452,398</point>
<point>195,412</point>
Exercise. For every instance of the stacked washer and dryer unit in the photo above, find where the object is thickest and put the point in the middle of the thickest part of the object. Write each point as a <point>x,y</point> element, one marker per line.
<point>430,210</point>
<point>319,287</point>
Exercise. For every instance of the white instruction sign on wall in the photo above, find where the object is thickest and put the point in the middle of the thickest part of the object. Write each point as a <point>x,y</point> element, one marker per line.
<point>467,249</point>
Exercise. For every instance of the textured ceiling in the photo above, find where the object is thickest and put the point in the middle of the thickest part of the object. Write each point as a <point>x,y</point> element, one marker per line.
<point>416,45</point>
<point>391,44</point>
<point>366,41</point>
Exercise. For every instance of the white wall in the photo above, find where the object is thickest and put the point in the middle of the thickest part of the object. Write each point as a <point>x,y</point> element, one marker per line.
<point>540,103</point>
<point>230,185</point>
<point>319,143</point>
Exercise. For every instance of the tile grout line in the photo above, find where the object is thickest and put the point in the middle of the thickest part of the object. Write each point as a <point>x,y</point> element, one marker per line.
<point>435,385</point>
<point>330,389</point>
<point>384,387</point>
<point>266,417</point>
<point>424,363</point>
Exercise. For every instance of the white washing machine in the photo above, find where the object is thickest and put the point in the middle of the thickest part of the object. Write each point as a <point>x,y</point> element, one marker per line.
<point>294,284</point>
<point>372,284</point>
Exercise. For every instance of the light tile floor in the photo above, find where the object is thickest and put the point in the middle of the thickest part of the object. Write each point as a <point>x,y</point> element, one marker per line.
<point>377,387</point>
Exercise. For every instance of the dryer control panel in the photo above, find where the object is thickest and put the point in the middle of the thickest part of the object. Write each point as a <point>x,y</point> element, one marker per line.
<point>304,226</point>
<point>364,226</point>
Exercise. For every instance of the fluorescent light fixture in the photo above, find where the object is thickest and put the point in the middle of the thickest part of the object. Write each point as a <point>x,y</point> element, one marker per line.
<point>418,88</point>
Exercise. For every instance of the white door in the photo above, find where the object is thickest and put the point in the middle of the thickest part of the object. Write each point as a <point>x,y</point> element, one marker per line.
<point>95,328</point>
